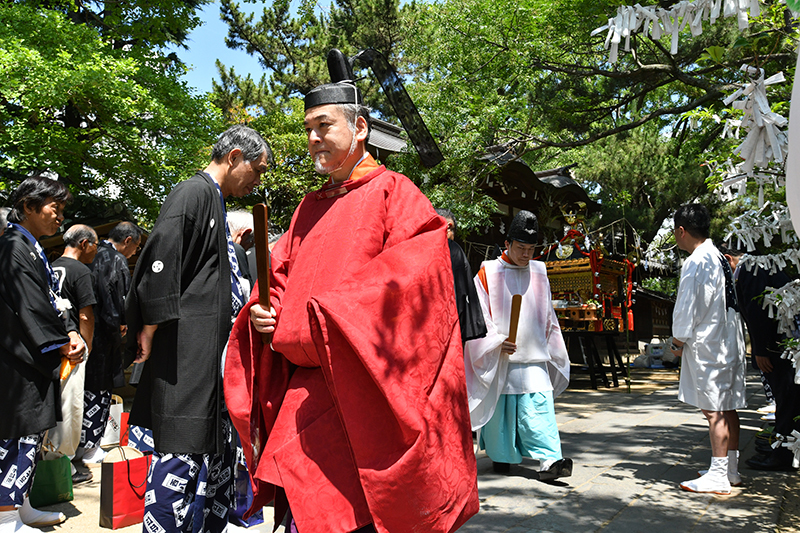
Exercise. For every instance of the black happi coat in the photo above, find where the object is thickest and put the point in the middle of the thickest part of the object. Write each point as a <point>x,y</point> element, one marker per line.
<point>29,390</point>
<point>112,280</point>
<point>182,282</point>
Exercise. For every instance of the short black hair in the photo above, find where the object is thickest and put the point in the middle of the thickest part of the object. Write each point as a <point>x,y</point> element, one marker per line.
<point>695,219</point>
<point>34,193</point>
<point>123,230</point>
<point>730,250</point>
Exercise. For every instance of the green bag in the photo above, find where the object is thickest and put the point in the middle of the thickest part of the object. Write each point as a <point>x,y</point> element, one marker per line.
<point>52,482</point>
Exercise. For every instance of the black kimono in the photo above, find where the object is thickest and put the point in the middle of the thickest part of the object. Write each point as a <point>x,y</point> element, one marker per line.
<point>182,282</point>
<point>470,316</point>
<point>112,280</point>
<point>765,341</point>
<point>29,387</point>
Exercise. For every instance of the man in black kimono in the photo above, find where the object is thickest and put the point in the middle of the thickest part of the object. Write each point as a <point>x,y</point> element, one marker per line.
<point>37,336</point>
<point>184,293</point>
<point>111,279</point>
<point>766,348</point>
<point>75,283</point>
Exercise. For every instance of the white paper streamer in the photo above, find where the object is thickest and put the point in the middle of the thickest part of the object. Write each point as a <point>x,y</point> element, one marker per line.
<point>657,22</point>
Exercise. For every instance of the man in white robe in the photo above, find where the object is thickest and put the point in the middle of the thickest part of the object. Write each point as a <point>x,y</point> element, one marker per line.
<point>511,385</point>
<point>708,336</point>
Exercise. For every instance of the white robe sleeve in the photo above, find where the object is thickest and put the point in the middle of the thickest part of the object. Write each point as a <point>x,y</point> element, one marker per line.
<point>686,302</point>
<point>558,366</point>
<point>485,369</point>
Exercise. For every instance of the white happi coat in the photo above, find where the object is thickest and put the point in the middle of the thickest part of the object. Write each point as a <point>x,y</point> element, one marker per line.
<point>713,367</point>
<point>539,337</point>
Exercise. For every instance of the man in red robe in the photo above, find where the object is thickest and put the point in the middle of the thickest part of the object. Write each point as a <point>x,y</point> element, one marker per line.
<point>355,416</point>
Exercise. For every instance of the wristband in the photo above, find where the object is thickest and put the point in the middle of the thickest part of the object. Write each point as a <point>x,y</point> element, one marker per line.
<point>675,347</point>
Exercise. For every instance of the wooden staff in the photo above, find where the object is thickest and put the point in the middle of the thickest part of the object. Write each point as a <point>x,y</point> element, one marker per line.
<point>260,225</point>
<point>516,303</point>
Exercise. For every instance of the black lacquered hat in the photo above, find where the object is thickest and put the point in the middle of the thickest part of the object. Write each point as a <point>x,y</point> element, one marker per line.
<point>343,92</point>
<point>524,228</point>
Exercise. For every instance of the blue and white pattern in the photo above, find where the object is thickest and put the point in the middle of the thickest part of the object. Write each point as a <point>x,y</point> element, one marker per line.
<point>190,492</point>
<point>237,293</point>
<point>52,279</point>
<point>17,466</point>
<point>96,406</point>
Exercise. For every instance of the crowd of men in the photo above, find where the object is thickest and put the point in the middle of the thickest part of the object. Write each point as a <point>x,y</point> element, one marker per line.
<point>351,389</point>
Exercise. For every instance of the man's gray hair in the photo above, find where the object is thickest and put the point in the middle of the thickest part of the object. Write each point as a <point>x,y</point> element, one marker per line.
<point>4,211</point>
<point>78,233</point>
<point>248,140</point>
<point>351,113</point>
<point>239,220</point>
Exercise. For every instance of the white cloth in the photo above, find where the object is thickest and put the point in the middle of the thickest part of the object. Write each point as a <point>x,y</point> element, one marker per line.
<point>523,378</point>
<point>66,436</point>
<point>713,367</point>
<point>539,339</point>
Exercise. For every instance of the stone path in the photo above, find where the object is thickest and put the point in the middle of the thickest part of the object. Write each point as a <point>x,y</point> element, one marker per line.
<point>630,453</point>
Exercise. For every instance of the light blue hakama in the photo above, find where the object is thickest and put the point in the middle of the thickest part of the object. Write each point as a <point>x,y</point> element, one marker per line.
<point>522,425</point>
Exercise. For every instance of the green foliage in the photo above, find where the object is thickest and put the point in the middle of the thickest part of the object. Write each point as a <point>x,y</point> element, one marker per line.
<point>668,286</point>
<point>110,122</point>
<point>639,175</point>
<point>526,78</point>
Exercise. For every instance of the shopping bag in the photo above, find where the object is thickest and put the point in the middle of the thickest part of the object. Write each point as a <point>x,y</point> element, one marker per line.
<point>52,482</point>
<point>123,483</point>
<point>66,436</point>
<point>112,431</point>
<point>123,429</point>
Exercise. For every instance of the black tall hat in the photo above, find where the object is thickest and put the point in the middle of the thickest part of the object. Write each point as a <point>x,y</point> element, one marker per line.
<point>524,228</point>
<point>342,92</point>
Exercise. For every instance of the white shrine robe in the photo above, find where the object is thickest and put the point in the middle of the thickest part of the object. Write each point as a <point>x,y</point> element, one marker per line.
<point>713,367</point>
<point>539,338</point>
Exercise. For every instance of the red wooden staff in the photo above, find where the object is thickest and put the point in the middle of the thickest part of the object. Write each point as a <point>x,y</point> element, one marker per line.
<point>260,225</point>
<point>516,303</point>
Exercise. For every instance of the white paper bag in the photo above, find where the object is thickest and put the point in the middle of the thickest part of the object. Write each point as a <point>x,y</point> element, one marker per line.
<point>111,433</point>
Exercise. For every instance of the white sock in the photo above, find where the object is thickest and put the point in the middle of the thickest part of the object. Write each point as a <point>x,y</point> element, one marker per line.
<point>733,461</point>
<point>544,464</point>
<point>10,522</point>
<point>9,517</point>
<point>719,467</point>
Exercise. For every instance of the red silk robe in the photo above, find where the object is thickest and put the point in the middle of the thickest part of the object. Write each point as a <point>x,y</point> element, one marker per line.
<point>359,409</point>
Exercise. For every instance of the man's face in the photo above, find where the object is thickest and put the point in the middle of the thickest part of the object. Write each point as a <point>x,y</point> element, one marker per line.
<point>518,253</point>
<point>680,238</point>
<point>46,220</point>
<point>88,250</point>
<point>733,260</point>
<point>330,140</point>
<point>244,175</point>
<point>129,247</point>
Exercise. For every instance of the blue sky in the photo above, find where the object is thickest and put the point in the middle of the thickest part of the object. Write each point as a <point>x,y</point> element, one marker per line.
<point>207,43</point>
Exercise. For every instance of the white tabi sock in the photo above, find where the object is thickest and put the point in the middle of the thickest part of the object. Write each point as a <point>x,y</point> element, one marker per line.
<point>34,517</point>
<point>545,464</point>
<point>733,462</point>
<point>714,481</point>
<point>719,467</point>
<point>10,522</point>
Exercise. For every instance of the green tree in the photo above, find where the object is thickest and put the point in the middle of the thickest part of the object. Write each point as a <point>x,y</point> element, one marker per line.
<point>527,79</point>
<point>109,120</point>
